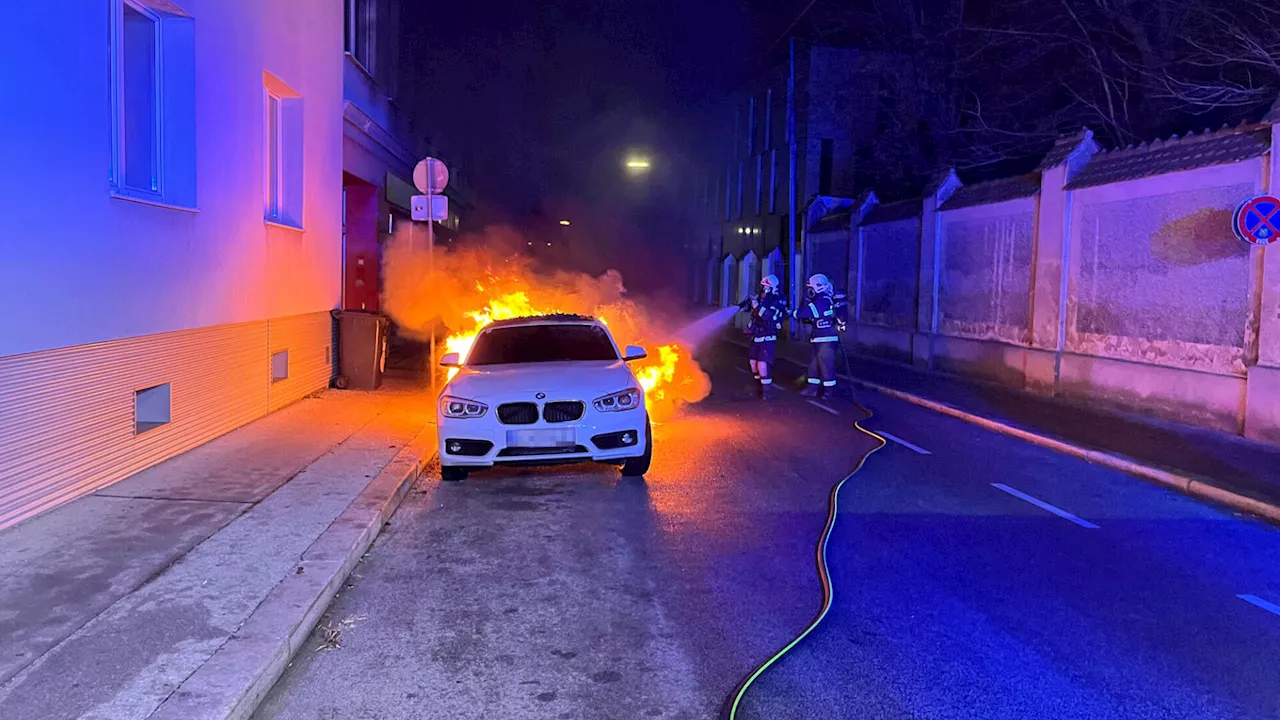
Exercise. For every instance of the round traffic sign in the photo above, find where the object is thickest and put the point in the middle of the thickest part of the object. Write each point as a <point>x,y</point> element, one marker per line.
<point>430,176</point>
<point>1257,220</point>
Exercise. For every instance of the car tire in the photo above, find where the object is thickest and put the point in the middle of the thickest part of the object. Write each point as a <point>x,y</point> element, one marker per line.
<point>452,474</point>
<point>638,466</point>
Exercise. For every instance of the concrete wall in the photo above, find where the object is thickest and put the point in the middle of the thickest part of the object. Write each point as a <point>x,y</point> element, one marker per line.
<point>985,287</point>
<point>1133,295</point>
<point>1157,276</point>
<point>890,259</point>
<point>829,254</point>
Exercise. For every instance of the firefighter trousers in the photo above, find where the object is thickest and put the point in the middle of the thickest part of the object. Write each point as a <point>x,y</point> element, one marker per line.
<point>822,364</point>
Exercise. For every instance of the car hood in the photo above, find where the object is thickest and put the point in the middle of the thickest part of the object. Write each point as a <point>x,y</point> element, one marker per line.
<point>584,381</point>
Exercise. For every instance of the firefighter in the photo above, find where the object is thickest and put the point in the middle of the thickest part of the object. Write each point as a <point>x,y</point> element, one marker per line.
<point>820,312</point>
<point>768,310</point>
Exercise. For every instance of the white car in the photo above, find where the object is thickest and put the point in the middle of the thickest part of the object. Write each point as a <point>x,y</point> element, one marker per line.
<point>543,390</point>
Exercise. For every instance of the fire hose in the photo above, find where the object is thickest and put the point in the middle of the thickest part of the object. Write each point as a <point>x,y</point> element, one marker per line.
<point>820,559</point>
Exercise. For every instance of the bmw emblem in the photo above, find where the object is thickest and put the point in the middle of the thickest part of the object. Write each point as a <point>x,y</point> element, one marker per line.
<point>541,396</point>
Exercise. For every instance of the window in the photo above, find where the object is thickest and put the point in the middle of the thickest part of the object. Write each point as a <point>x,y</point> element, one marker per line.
<point>773,181</point>
<point>282,153</point>
<point>740,169</point>
<point>139,51</point>
<point>542,343</point>
<point>361,16</point>
<point>825,158</point>
<point>759,181</point>
<point>152,49</point>
<point>151,408</point>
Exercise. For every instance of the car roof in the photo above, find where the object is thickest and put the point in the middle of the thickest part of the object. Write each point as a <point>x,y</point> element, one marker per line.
<point>552,319</point>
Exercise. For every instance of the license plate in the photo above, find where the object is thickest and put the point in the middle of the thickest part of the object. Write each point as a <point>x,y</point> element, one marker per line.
<point>558,437</point>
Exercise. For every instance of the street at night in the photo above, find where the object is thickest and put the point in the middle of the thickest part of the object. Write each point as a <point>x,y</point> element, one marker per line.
<point>627,359</point>
<point>575,593</point>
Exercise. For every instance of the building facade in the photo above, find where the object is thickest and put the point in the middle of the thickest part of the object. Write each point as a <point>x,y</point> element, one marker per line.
<point>808,116</point>
<point>175,220</point>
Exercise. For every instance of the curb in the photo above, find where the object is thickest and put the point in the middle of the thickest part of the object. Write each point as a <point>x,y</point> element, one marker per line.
<point>234,681</point>
<point>1187,484</point>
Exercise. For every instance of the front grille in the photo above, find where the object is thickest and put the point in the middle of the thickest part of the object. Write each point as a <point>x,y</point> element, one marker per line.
<point>557,412</point>
<point>524,451</point>
<point>520,413</point>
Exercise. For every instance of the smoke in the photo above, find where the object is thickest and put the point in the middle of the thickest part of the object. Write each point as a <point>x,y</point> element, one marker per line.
<point>488,276</point>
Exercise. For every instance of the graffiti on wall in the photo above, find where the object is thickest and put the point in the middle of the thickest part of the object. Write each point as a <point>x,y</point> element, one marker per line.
<point>1162,279</point>
<point>985,288</point>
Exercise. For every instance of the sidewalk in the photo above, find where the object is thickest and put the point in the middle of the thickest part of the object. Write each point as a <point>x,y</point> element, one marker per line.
<point>1222,462</point>
<point>182,591</point>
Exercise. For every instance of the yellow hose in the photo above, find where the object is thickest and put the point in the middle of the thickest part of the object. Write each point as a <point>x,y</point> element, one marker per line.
<point>820,556</point>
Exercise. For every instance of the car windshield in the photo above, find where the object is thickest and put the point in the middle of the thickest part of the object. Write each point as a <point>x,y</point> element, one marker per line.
<point>541,343</point>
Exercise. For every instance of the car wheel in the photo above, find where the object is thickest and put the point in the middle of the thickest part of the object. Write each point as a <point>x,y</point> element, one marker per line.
<point>452,474</point>
<point>636,467</point>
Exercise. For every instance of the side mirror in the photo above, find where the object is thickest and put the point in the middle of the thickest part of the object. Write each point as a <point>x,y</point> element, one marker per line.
<point>634,352</point>
<point>451,360</point>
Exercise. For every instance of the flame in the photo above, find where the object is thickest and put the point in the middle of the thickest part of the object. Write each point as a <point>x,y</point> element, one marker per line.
<point>656,375</point>
<point>482,281</point>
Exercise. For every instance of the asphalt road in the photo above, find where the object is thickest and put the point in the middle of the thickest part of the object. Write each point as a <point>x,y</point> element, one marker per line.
<point>573,593</point>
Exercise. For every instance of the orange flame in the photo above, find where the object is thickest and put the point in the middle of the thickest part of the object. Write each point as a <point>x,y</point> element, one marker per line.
<point>655,375</point>
<point>482,281</point>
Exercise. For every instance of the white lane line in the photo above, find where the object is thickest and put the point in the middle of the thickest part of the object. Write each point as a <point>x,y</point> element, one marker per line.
<point>1259,602</point>
<point>902,442</point>
<point>1045,506</point>
<point>741,370</point>
<point>824,407</point>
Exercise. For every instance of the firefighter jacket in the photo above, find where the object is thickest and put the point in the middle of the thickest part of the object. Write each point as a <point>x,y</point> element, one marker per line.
<point>767,316</point>
<point>820,311</point>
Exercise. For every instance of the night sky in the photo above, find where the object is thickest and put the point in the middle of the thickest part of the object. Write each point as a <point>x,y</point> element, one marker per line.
<point>541,100</point>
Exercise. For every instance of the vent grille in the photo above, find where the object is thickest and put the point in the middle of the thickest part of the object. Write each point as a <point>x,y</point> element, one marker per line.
<point>521,413</point>
<point>558,412</point>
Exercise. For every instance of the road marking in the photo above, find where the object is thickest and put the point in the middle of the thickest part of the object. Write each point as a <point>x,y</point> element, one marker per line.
<point>1045,506</point>
<point>902,442</point>
<point>1259,602</point>
<point>741,370</point>
<point>824,407</point>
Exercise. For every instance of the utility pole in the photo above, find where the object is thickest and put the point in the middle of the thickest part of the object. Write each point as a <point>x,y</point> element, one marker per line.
<point>791,182</point>
<point>430,177</point>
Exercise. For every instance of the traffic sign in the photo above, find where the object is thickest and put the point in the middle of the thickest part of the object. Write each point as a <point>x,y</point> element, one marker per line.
<point>1257,220</point>
<point>429,207</point>
<point>430,176</point>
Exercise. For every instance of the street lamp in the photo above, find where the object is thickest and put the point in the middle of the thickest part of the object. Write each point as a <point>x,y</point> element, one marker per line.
<point>564,222</point>
<point>637,164</point>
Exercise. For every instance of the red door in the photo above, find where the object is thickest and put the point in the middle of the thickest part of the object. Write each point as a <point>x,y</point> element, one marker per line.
<point>361,261</point>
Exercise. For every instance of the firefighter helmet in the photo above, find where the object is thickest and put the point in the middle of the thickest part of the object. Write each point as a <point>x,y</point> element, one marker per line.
<point>819,283</point>
<point>770,283</point>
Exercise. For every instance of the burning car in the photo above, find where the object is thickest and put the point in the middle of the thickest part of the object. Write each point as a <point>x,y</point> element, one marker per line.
<point>546,389</point>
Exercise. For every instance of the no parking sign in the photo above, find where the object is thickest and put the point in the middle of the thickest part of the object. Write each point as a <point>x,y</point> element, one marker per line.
<point>1257,220</point>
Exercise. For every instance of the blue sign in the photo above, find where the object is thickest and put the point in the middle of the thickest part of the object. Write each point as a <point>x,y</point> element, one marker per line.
<point>1257,220</point>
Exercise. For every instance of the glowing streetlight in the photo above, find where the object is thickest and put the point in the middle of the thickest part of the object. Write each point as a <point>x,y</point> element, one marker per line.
<point>637,164</point>
<point>564,222</point>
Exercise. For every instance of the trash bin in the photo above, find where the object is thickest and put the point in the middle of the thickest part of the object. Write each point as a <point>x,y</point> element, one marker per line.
<point>362,349</point>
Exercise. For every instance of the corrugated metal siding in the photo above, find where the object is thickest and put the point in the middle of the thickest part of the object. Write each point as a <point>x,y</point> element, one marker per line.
<point>306,337</point>
<point>67,420</point>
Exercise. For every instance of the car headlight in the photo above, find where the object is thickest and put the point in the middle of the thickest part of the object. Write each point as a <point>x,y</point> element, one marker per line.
<point>456,407</point>
<point>628,399</point>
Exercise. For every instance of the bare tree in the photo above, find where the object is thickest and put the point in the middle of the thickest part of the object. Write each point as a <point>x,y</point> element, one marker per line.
<point>978,84</point>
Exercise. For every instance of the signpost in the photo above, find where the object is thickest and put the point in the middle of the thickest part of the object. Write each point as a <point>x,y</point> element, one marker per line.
<point>1257,220</point>
<point>430,177</point>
